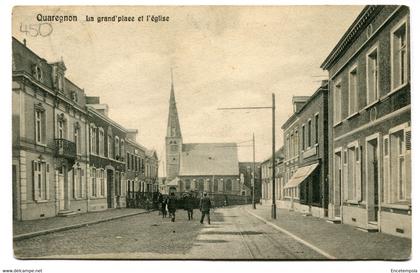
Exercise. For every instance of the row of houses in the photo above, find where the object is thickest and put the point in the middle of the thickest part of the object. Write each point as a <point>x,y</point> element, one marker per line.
<point>346,154</point>
<point>69,156</point>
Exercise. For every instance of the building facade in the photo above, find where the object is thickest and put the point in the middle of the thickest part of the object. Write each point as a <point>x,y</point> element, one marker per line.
<point>68,156</point>
<point>248,181</point>
<point>49,127</point>
<point>106,172</point>
<point>306,154</point>
<point>267,181</point>
<point>370,112</point>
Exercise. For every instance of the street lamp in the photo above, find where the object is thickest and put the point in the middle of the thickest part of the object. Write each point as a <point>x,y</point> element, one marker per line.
<point>273,109</point>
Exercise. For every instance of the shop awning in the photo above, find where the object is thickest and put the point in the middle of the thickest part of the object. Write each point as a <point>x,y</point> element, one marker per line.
<point>300,175</point>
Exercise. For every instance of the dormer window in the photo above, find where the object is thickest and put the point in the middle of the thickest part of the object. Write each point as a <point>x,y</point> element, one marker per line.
<point>37,73</point>
<point>74,96</point>
<point>60,82</point>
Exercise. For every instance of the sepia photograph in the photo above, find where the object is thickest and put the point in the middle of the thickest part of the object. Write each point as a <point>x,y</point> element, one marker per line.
<point>211,133</point>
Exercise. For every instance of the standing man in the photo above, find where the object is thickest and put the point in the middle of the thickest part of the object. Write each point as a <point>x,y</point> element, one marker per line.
<point>172,206</point>
<point>189,205</point>
<point>205,206</point>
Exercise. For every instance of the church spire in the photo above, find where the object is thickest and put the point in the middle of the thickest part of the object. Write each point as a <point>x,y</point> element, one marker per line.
<point>173,130</point>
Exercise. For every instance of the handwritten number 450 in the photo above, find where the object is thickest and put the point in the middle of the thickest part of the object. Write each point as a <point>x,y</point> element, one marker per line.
<point>42,29</point>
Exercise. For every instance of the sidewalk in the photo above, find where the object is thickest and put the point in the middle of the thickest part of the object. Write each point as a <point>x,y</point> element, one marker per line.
<point>31,228</point>
<point>336,240</point>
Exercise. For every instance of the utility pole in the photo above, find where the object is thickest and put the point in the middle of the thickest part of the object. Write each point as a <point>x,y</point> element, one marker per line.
<point>273,109</point>
<point>273,207</point>
<point>253,172</point>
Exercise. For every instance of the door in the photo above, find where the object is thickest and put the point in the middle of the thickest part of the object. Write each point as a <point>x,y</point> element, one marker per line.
<point>372,180</point>
<point>110,187</point>
<point>337,184</point>
<point>61,199</point>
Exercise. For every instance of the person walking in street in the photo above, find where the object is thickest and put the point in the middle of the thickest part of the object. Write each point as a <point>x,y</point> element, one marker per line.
<point>172,206</point>
<point>163,208</point>
<point>189,205</point>
<point>205,206</point>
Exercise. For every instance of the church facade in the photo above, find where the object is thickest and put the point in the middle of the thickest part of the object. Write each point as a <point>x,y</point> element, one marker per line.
<point>199,167</point>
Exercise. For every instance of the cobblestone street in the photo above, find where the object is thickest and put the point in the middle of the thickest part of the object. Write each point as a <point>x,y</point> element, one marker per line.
<point>235,233</point>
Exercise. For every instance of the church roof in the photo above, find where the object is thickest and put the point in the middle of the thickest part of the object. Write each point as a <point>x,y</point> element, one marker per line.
<point>209,159</point>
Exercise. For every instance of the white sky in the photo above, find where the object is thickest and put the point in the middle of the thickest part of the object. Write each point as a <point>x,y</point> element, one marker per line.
<point>222,57</point>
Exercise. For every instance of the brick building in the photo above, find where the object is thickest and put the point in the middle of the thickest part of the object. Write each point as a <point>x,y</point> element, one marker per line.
<point>306,154</point>
<point>370,106</point>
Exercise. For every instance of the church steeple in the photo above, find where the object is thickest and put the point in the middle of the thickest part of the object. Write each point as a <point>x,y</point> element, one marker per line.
<point>173,129</point>
<point>173,138</point>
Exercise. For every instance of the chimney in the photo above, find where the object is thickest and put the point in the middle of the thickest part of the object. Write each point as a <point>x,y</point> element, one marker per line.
<point>24,42</point>
<point>132,134</point>
<point>299,102</point>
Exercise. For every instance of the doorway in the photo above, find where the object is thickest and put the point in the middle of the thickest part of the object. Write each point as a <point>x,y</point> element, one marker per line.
<point>110,188</point>
<point>337,184</point>
<point>372,179</point>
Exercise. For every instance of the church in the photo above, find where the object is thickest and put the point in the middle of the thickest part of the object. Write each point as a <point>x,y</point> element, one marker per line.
<point>200,167</point>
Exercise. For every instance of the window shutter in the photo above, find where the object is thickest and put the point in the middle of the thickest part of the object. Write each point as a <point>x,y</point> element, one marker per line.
<point>345,177</point>
<point>408,162</point>
<point>358,173</point>
<point>408,140</point>
<point>82,174</point>
<point>47,181</point>
<point>75,180</point>
<point>386,183</point>
<point>35,180</point>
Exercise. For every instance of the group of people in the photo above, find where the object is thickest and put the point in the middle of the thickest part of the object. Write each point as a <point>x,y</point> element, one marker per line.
<point>169,205</point>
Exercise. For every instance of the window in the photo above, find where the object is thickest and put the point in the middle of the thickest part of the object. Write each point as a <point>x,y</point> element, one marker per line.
<point>351,173</point>
<point>60,81</point>
<point>122,152</point>
<point>201,185</point>
<point>303,138</point>
<point>60,128</point>
<point>400,165</point>
<point>287,147</point>
<point>128,161</point>
<point>110,151</point>
<point>337,103</point>
<point>101,142</point>
<point>316,129</point>
<point>216,185</point>
<point>372,77</point>
<point>40,175</point>
<point>292,145</point>
<point>78,182</point>
<point>93,139</point>
<point>38,73</point>
<point>309,133</point>
<point>102,182</point>
<point>40,126</point>
<point>117,147</point>
<point>187,185</point>
<point>77,138</point>
<point>296,148</point>
<point>353,90</point>
<point>229,185</point>
<point>93,182</point>
<point>399,58</point>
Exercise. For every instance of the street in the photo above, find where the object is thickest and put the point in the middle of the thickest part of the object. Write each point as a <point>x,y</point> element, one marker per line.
<point>233,234</point>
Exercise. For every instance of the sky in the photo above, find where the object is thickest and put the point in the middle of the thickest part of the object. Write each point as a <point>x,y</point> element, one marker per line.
<point>221,57</point>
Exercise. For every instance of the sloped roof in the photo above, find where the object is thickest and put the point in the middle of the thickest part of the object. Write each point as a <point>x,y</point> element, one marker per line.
<point>209,159</point>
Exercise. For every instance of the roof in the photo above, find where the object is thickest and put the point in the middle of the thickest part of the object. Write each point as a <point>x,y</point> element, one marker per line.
<point>322,88</point>
<point>279,154</point>
<point>351,34</point>
<point>209,159</point>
